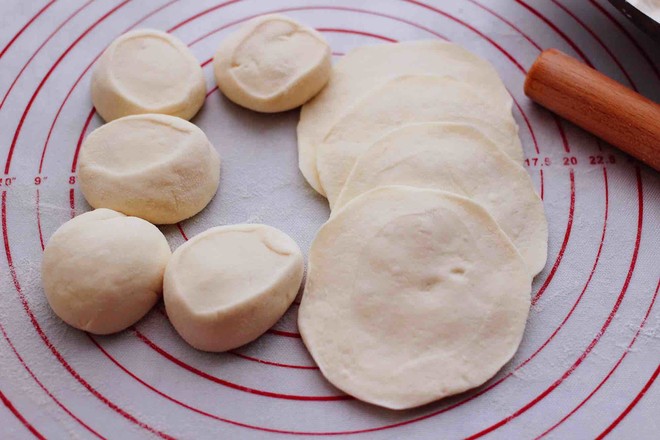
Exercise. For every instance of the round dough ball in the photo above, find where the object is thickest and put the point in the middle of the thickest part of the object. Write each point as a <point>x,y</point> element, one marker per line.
<point>103,271</point>
<point>457,158</point>
<point>367,67</point>
<point>157,167</point>
<point>229,284</point>
<point>272,64</point>
<point>404,100</point>
<point>412,295</point>
<point>147,71</point>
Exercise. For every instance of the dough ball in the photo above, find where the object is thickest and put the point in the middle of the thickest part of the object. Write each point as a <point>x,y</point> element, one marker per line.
<point>412,295</point>
<point>368,67</point>
<point>404,100</point>
<point>103,271</point>
<point>272,64</point>
<point>157,167</point>
<point>229,284</point>
<point>148,71</point>
<point>459,159</point>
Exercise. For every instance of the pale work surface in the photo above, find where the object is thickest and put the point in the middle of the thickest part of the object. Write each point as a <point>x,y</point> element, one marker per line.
<point>589,359</point>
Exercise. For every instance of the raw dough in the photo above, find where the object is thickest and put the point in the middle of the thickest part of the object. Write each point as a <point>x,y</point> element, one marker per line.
<point>157,167</point>
<point>461,160</point>
<point>147,71</point>
<point>229,284</point>
<point>412,295</point>
<point>404,100</point>
<point>272,64</point>
<point>365,68</point>
<point>103,271</point>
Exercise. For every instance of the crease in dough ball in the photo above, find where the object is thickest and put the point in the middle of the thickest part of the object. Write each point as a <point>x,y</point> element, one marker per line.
<point>412,295</point>
<point>228,285</point>
<point>272,64</point>
<point>157,167</point>
<point>366,68</point>
<point>405,100</point>
<point>147,71</point>
<point>103,271</point>
<point>457,158</point>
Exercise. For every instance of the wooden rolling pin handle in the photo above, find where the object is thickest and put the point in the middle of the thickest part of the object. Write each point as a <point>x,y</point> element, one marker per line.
<point>596,103</point>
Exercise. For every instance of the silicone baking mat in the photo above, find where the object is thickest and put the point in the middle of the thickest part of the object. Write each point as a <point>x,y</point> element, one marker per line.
<point>590,356</point>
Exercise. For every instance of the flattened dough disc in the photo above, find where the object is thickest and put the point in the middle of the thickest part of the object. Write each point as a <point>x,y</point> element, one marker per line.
<point>366,67</point>
<point>412,295</point>
<point>460,159</point>
<point>405,100</point>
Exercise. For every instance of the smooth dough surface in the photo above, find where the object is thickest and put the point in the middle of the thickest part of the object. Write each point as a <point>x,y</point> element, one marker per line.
<point>272,64</point>
<point>103,271</point>
<point>460,159</point>
<point>147,71</point>
<point>229,284</point>
<point>412,295</point>
<point>157,167</point>
<point>367,67</point>
<point>405,100</point>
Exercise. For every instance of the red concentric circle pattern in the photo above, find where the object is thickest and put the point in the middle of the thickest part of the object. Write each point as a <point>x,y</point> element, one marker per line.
<point>587,366</point>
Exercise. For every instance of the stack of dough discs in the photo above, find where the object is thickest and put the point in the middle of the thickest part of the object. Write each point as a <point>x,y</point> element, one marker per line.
<point>272,64</point>
<point>147,71</point>
<point>157,167</point>
<point>461,160</point>
<point>103,271</point>
<point>366,68</point>
<point>404,100</point>
<point>228,285</point>
<point>412,295</point>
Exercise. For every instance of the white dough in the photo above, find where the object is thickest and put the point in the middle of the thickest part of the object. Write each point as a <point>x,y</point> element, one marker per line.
<point>272,64</point>
<point>365,68</point>
<point>404,100</point>
<point>103,271</point>
<point>157,167</point>
<point>461,160</point>
<point>147,71</point>
<point>412,295</point>
<point>229,284</point>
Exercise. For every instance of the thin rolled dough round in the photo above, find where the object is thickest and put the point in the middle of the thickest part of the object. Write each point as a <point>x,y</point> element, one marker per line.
<point>457,158</point>
<point>272,64</point>
<point>157,167</point>
<point>404,100</point>
<point>103,271</point>
<point>412,295</point>
<point>147,71</point>
<point>367,67</point>
<point>229,284</point>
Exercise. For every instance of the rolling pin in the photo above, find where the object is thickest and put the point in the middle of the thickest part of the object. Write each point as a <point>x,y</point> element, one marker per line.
<point>596,103</point>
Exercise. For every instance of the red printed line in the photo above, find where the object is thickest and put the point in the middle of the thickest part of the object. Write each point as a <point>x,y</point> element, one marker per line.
<point>629,408</point>
<point>74,164</point>
<point>555,28</point>
<point>11,87</point>
<point>285,334</point>
<point>562,250</point>
<point>50,72</point>
<point>41,385</point>
<point>20,417</point>
<point>183,234</point>
<point>607,377</point>
<point>51,347</point>
<point>603,329</point>
<point>232,385</point>
<point>542,183</point>
<point>352,32</point>
<point>275,364</point>
<point>510,23</point>
<point>600,42</point>
<point>200,14</point>
<point>27,25</point>
<point>628,35</point>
